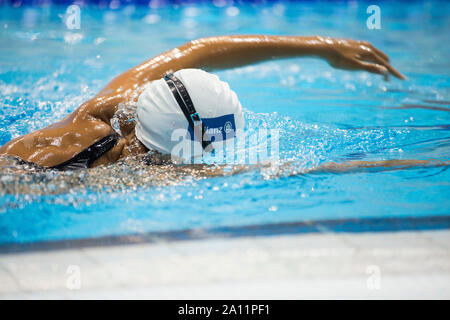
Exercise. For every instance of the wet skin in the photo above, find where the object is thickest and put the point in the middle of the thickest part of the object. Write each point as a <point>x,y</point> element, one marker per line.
<point>90,122</point>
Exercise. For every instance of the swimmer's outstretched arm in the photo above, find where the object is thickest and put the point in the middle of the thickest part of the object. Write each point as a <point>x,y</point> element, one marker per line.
<point>233,51</point>
<point>223,52</point>
<point>290,168</point>
<point>381,165</point>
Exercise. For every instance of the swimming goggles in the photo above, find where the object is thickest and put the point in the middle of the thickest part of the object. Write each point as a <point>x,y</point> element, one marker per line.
<point>183,99</point>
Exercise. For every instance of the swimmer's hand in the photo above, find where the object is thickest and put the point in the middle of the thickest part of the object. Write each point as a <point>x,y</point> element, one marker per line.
<point>357,55</point>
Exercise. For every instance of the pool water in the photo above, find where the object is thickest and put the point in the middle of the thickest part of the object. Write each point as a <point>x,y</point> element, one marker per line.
<point>323,115</point>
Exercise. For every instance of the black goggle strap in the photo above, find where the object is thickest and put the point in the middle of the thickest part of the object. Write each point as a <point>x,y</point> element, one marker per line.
<point>184,101</point>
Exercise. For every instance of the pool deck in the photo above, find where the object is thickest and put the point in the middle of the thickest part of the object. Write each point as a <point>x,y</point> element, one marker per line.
<point>391,265</point>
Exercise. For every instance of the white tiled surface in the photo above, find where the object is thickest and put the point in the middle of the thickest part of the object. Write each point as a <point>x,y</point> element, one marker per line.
<point>410,265</point>
<point>439,237</point>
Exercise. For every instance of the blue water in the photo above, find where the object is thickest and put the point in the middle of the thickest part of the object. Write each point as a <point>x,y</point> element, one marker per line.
<point>323,114</point>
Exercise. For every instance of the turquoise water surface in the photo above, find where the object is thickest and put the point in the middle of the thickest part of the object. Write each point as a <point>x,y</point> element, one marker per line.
<point>323,114</point>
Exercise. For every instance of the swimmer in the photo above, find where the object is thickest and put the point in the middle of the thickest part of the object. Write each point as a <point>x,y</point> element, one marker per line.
<point>175,90</point>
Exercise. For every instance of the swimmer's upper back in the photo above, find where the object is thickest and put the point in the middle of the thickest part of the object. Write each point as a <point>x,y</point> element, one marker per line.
<point>58,142</point>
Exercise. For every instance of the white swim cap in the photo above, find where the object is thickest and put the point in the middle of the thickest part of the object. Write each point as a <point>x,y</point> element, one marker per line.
<point>158,113</point>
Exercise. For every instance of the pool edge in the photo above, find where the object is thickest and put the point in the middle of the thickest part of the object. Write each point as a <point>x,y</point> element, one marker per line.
<point>370,225</point>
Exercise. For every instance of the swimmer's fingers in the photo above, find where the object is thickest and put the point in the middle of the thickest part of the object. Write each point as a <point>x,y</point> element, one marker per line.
<point>380,60</point>
<point>377,51</point>
<point>372,67</point>
<point>393,71</point>
<point>356,55</point>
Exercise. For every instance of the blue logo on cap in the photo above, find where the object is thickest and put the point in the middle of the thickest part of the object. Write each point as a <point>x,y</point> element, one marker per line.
<point>219,128</point>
